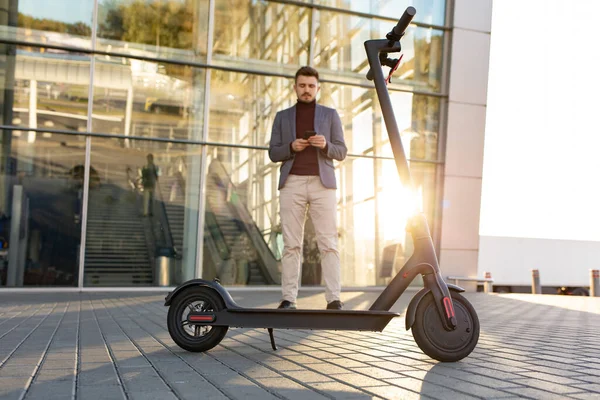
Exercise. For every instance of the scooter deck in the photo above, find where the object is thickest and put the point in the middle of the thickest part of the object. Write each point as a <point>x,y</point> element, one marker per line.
<point>355,320</point>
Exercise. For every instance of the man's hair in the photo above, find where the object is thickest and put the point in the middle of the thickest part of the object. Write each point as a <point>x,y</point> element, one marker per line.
<point>306,71</point>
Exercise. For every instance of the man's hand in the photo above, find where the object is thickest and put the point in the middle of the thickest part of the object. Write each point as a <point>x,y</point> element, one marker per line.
<point>318,141</point>
<point>299,145</point>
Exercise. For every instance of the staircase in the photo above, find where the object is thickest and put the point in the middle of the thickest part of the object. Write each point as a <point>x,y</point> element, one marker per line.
<point>116,248</point>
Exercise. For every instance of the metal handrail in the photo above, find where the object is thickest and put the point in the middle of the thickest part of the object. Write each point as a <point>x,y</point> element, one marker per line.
<point>164,225</point>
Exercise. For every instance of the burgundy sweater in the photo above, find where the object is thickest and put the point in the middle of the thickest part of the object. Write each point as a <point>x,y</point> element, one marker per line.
<point>305,162</point>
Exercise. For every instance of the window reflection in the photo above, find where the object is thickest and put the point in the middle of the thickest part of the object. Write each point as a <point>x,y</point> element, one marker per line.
<point>365,132</point>
<point>243,106</point>
<point>45,90</point>
<point>428,11</point>
<point>156,28</point>
<point>148,98</point>
<point>260,34</point>
<point>241,239</point>
<point>339,49</point>
<point>142,213</point>
<point>40,209</point>
<point>60,22</point>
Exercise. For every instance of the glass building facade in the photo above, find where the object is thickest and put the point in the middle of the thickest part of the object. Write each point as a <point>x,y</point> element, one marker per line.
<point>91,88</point>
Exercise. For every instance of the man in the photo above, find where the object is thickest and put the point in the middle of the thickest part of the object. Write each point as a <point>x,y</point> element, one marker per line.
<point>149,178</point>
<point>307,179</point>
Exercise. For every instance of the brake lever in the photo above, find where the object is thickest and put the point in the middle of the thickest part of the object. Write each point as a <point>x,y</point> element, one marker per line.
<point>396,64</point>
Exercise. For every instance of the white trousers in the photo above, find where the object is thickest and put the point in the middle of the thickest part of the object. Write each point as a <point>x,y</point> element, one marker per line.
<point>299,192</point>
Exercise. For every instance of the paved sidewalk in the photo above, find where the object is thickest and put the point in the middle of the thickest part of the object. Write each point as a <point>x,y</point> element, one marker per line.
<point>116,346</point>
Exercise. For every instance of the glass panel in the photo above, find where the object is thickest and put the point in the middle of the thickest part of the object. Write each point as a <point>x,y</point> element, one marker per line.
<point>358,244</point>
<point>148,99</point>
<point>261,35</point>
<point>57,22</point>
<point>339,50</point>
<point>417,117</point>
<point>428,11</point>
<point>142,213</point>
<point>362,175</point>
<point>395,206</point>
<point>45,90</point>
<point>242,242</point>
<point>243,106</point>
<point>40,208</point>
<point>160,28</point>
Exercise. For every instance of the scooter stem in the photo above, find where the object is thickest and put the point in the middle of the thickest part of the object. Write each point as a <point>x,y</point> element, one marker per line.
<point>424,259</point>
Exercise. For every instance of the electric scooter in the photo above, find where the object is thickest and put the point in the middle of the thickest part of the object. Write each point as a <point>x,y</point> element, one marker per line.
<point>444,324</point>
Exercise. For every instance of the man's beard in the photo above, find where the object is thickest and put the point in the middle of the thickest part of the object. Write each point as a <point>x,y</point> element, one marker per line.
<point>306,98</point>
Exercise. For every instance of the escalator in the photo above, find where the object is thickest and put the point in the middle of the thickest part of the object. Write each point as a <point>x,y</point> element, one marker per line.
<point>235,249</point>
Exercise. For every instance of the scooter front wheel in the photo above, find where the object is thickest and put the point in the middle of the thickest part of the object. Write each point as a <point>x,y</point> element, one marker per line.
<point>438,343</point>
<point>190,337</point>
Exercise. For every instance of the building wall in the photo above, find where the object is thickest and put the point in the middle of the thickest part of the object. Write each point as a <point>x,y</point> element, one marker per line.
<point>467,94</point>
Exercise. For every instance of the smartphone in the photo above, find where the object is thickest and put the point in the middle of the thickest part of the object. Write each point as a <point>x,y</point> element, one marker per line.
<point>308,134</point>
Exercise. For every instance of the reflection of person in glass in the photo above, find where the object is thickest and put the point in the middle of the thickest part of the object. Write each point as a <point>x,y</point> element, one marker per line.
<point>149,178</point>
<point>306,138</point>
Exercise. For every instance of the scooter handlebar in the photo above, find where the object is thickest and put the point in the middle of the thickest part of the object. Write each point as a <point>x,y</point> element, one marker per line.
<point>404,21</point>
<point>398,30</point>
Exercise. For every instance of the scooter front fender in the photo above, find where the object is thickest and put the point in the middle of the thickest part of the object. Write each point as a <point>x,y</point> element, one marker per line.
<point>229,303</point>
<point>411,311</point>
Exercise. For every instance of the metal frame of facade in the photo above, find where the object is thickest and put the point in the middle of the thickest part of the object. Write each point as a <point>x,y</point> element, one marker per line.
<point>205,143</point>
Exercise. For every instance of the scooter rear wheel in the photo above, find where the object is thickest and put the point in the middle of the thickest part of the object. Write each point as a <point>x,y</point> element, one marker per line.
<point>438,343</point>
<point>190,337</point>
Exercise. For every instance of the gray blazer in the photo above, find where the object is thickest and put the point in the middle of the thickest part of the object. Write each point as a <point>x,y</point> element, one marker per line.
<point>327,123</point>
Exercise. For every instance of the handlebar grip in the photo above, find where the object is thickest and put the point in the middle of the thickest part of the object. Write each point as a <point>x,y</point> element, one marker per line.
<point>404,21</point>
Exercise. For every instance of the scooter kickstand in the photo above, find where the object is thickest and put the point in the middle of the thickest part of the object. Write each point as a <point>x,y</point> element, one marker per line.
<point>273,345</point>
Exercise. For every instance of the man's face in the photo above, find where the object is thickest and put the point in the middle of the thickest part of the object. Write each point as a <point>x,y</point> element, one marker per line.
<point>306,88</point>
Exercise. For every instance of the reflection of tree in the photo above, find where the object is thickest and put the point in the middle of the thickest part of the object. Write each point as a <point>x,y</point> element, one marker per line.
<point>77,28</point>
<point>159,23</point>
<point>428,60</point>
<point>426,66</point>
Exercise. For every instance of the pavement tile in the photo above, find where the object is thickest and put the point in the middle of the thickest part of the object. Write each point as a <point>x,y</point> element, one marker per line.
<point>238,387</point>
<point>103,392</point>
<point>158,395</point>
<point>289,389</point>
<point>17,371</point>
<point>58,390</point>
<point>395,393</point>
<point>378,373</point>
<point>584,396</point>
<point>51,375</point>
<point>306,376</point>
<point>536,394</point>
<point>12,387</point>
<point>592,387</point>
<point>142,380</point>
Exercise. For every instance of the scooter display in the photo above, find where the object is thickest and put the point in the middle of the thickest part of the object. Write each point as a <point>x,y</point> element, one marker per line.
<point>444,324</point>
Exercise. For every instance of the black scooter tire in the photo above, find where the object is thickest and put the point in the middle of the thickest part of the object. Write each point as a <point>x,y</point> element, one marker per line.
<point>183,339</point>
<point>438,343</point>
